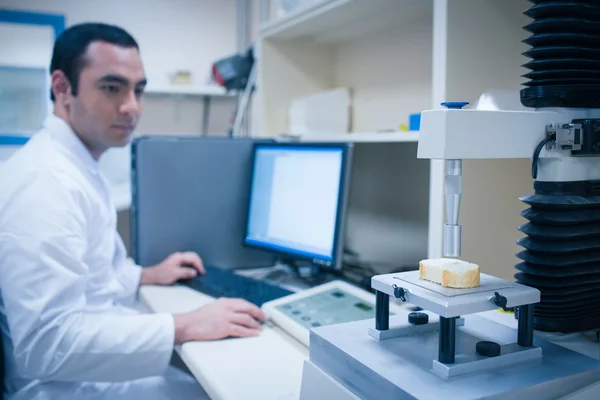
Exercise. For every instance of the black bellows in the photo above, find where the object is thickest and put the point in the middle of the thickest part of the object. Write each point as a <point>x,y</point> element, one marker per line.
<point>561,255</point>
<point>564,53</point>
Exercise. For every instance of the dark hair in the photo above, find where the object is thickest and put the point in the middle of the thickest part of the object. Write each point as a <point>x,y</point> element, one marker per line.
<point>71,45</point>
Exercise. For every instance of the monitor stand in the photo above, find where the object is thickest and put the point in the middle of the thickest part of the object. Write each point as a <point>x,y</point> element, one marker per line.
<point>306,271</point>
<point>290,274</point>
<point>293,274</point>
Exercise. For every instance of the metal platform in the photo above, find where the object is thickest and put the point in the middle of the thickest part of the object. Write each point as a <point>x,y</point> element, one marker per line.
<point>401,368</point>
<point>449,302</point>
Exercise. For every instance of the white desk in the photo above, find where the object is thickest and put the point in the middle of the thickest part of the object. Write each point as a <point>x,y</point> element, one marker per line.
<point>267,367</point>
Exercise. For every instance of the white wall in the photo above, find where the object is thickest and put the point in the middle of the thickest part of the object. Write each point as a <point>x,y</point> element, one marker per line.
<point>36,53</point>
<point>390,78</point>
<point>172,34</point>
<point>169,115</point>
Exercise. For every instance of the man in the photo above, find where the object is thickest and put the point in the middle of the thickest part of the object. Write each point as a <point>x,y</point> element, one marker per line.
<point>63,272</point>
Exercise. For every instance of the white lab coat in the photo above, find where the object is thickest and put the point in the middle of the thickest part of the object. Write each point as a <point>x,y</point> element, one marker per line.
<point>64,280</point>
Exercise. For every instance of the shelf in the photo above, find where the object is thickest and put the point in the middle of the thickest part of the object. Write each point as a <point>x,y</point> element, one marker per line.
<point>341,20</point>
<point>374,137</point>
<point>188,90</point>
<point>400,57</point>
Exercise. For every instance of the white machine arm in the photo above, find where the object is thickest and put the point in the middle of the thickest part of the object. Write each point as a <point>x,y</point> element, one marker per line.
<point>458,134</point>
<point>455,134</point>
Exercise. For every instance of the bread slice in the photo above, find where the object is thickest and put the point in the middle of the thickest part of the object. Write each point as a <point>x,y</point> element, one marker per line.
<point>450,272</point>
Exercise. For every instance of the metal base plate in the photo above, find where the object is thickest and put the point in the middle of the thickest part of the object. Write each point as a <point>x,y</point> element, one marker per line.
<point>510,354</point>
<point>466,363</point>
<point>401,368</point>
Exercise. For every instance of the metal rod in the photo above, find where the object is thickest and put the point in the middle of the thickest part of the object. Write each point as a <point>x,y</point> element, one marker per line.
<point>241,125</point>
<point>447,340</point>
<point>525,329</point>
<point>242,110</point>
<point>205,114</point>
<point>453,193</point>
<point>382,311</point>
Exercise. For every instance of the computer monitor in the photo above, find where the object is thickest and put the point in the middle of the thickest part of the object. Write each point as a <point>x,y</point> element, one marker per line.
<point>298,199</point>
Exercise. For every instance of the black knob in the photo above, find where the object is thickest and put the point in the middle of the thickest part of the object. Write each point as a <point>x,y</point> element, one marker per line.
<point>487,349</point>
<point>399,292</point>
<point>501,301</point>
<point>418,318</point>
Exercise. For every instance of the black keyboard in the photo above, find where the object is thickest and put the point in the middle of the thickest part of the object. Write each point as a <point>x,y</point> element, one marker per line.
<point>218,282</point>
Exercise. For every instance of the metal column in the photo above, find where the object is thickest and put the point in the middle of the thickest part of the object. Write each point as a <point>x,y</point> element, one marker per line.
<point>382,311</point>
<point>447,339</point>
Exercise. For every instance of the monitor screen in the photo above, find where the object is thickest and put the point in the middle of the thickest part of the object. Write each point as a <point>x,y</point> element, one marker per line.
<point>297,200</point>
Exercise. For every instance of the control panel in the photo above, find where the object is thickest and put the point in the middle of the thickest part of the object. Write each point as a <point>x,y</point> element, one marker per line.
<point>331,303</point>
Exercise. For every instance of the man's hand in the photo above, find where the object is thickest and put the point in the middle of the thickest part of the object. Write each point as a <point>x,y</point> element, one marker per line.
<point>175,267</point>
<point>220,319</point>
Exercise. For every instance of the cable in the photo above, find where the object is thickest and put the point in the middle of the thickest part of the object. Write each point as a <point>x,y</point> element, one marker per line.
<point>536,154</point>
<point>364,267</point>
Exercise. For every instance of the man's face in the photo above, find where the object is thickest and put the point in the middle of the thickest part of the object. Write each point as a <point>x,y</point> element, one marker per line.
<point>108,104</point>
